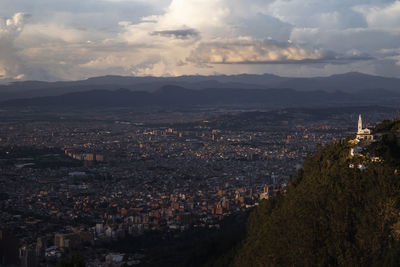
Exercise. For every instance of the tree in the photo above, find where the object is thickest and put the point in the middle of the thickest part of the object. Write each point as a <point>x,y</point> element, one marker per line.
<point>76,260</point>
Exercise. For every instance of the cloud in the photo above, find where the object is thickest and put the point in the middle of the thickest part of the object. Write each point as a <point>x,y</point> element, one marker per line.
<point>262,26</point>
<point>205,33</point>
<point>386,17</point>
<point>329,14</point>
<point>177,34</point>
<point>12,25</point>
<point>390,51</point>
<point>77,39</point>
<point>250,51</point>
<point>54,32</point>
<point>367,40</point>
<point>9,60</point>
<point>397,59</point>
<point>391,54</point>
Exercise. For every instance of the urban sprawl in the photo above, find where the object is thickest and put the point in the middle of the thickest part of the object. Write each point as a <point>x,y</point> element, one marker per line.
<point>68,185</point>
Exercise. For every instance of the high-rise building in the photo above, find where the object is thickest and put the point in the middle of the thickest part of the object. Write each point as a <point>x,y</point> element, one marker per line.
<point>27,256</point>
<point>40,247</point>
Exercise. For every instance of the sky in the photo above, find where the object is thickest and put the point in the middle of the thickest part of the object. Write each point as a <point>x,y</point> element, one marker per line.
<point>70,39</point>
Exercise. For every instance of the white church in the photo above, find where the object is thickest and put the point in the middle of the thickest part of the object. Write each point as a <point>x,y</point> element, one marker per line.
<point>363,137</point>
<point>363,133</point>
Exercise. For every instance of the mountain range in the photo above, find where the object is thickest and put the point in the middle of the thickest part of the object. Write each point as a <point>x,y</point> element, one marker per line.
<point>175,96</point>
<point>245,89</point>
<point>348,82</point>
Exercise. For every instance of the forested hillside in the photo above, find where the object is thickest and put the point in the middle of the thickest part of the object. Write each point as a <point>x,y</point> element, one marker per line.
<point>332,215</point>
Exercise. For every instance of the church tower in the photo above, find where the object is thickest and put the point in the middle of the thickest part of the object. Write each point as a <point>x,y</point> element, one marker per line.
<point>363,134</point>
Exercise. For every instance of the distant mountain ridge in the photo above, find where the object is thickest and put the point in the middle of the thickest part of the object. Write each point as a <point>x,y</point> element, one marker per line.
<point>349,83</point>
<point>176,96</point>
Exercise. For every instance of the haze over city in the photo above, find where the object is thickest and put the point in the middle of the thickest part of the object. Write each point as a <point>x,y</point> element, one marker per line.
<point>71,40</point>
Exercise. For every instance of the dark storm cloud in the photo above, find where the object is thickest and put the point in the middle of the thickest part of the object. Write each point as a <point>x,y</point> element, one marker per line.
<point>178,34</point>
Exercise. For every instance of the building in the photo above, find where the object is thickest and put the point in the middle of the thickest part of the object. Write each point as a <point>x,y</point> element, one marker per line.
<point>27,256</point>
<point>265,194</point>
<point>67,241</point>
<point>363,133</point>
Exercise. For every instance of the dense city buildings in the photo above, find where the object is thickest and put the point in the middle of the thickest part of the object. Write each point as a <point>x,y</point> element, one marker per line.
<point>82,182</point>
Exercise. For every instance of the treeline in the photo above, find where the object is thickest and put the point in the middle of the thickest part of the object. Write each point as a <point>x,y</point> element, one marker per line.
<point>331,215</point>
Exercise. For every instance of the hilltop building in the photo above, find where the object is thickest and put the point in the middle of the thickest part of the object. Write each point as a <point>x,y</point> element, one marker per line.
<point>363,133</point>
<point>363,137</point>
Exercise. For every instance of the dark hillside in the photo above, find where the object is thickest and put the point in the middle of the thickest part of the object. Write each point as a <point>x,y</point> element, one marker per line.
<point>332,215</point>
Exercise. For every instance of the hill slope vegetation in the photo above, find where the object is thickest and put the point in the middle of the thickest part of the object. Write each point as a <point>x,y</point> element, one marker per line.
<point>332,215</point>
